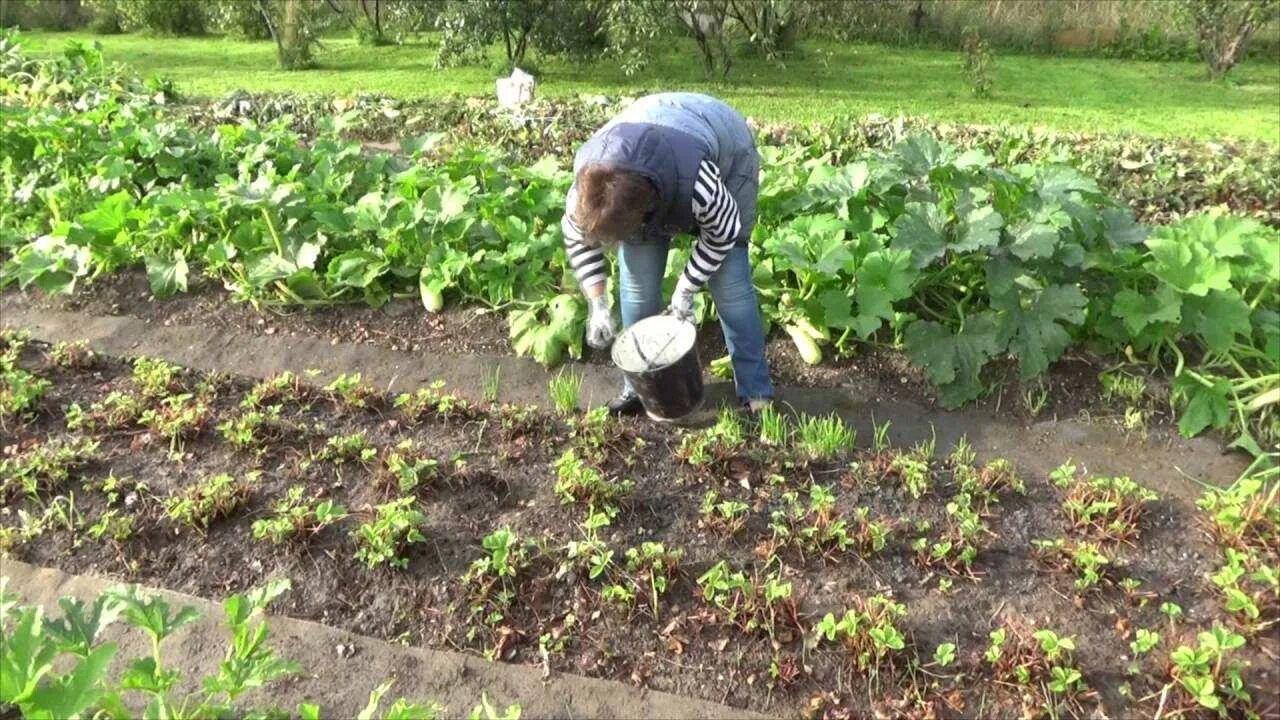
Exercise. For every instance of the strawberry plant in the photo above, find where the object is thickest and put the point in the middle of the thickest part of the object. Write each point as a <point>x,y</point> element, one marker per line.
<point>155,378</point>
<point>1107,508</point>
<point>20,391</point>
<point>176,418</point>
<point>649,570</point>
<point>348,448</point>
<point>209,499</point>
<point>867,630</point>
<point>293,516</point>
<point>432,400</point>
<point>405,467</point>
<point>251,430</point>
<point>758,602</point>
<point>348,390</point>
<point>72,355</point>
<point>1208,676</point>
<point>1245,515</point>
<point>46,467</point>
<point>578,481</point>
<point>718,443</point>
<point>1084,558</point>
<point>279,388</point>
<point>913,473</point>
<point>394,527</point>
<point>724,516</point>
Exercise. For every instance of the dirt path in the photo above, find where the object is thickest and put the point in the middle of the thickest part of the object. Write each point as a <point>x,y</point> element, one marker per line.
<point>340,684</point>
<point>1161,460</point>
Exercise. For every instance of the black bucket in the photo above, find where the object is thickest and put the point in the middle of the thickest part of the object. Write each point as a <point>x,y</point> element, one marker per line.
<point>660,356</point>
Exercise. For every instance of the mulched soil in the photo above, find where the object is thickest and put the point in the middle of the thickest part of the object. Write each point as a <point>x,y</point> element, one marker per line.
<point>496,474</point>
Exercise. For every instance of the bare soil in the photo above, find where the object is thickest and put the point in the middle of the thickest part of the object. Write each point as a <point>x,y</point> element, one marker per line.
<point>689,647</point>
<point>1070,389</point>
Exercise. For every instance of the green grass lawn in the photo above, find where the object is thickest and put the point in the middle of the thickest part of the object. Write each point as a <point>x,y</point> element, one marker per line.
<point>827,79</point>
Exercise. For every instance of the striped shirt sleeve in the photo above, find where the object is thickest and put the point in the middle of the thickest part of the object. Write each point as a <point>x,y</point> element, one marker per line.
<point>587,262</point>
<point>718,224</point>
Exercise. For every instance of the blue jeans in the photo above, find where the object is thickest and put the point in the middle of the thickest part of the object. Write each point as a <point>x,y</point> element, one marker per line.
<point>642,267</point>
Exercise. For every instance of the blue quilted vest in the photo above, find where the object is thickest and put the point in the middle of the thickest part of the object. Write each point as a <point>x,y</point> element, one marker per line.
<point>665,138</point>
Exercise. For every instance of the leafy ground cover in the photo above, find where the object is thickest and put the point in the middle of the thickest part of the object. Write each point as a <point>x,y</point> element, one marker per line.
<point>827,79</point>
<point>960,261</point>
<point>774,566</point>
<point>58,666</point>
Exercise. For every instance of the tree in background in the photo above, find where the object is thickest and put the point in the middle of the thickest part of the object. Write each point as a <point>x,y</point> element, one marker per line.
<point>771,25</point>
<point>162,17</point>
<point>549,26</point>
<point>707,21</point>
<point>290,24</point>
<point>239,18</point>
<point>1223,28</point>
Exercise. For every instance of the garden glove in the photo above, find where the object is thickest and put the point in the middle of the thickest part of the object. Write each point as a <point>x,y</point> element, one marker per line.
<point>601,327</point>
<point>682,299</point>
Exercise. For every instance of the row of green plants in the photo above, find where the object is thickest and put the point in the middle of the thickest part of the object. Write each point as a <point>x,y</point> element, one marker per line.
<point>60,667</point>
<point>1160,179</point>
<point>958,259</point>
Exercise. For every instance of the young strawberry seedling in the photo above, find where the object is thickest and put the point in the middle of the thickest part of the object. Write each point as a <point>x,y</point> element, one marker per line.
<point>818,528</point>
<point>294,517</point>
<point>347,390</point>
<point>962,536</point>
<point>113,526</point>
<point>706,449</point>
<point>578,481</point>
<point>1250,587</point>
<point>210,499</point>
<point>394,527</point>
<point>1245,515</point>
<point>589,557</point>
<point>490,581</point>
<point>405,467</point>
<point>155,378</point>
<point>118,410</point>
<point>275,390</point>
<point>989,483</point>
<point>724,516</point>
<point>759,602</point>
<point>650,569</point>
<point>252,430</point>
<point>1209,676</point>
<point>348,448</point>
<point>868,631</point>
<point>1082,557</point>
<point>72,355</point>
<point>20,392</point>
<point>45,468</point>
<point>1106,508</point>
<point>1028,658</point>
<point>176,418</point>
<point>913,473</point>
<point>433,401</point>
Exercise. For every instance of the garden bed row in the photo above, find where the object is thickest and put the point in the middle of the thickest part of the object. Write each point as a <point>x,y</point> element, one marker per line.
<point>773,566</point>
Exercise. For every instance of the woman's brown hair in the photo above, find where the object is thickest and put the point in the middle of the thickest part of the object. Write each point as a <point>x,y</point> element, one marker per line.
<point>611,204</point>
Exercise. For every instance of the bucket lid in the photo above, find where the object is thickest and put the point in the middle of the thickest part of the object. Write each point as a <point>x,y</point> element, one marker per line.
<point>653,343</point>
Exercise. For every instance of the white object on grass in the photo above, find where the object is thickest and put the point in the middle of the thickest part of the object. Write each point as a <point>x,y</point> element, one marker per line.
<point>515,90</point>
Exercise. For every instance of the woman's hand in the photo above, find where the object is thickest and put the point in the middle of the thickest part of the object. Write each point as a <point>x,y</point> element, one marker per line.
<point>601,325</point>
<point>682,299</point>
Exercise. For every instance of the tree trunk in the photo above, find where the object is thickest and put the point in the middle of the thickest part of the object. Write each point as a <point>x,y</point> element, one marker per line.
<point>291,34</point>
